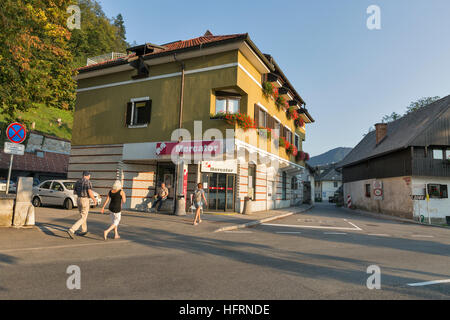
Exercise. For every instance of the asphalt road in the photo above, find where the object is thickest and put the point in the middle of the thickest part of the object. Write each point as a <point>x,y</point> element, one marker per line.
<point>321,254</point>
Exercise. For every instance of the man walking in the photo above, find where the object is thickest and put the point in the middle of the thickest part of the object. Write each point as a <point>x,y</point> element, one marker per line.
<point>161,196</point>
<point>83,189</point>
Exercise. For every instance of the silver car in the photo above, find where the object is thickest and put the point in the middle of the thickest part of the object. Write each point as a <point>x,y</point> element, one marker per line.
<point>59,193</point>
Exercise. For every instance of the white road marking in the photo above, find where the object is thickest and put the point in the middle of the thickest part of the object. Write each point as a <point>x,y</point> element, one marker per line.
<point>67,246</point>
<point>378,234</point>
<point>356,227</point>
<point>422,236</point>
<point>310,227</point>
<point>238,231</point>
<point>289,232</point>
<point>334,233</point>
<point>427,283</point>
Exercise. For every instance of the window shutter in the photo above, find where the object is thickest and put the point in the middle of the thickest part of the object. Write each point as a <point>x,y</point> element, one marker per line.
<point>256,116</point>
<point>128,114</point>
<point>148,111</point>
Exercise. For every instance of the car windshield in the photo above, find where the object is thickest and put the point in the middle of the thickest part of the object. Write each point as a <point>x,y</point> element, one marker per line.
<point>69,185</point>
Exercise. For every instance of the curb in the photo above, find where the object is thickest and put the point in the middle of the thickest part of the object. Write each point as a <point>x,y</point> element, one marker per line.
<point>261,221</point>
<point>388,217</point>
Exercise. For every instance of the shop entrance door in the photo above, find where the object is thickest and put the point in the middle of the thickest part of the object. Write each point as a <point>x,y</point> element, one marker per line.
<point>219,191</point>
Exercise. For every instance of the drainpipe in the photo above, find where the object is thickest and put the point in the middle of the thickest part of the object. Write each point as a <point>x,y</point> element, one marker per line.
<point>181,201</point>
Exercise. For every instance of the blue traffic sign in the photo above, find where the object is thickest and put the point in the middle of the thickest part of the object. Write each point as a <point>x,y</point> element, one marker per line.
<point>16,133</point>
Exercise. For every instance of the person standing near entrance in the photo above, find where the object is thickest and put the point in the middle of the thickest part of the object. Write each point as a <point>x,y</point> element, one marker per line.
<point>161,196</point>
<point>117,197</point>
<point>83,189</point>
<point>199,197</point>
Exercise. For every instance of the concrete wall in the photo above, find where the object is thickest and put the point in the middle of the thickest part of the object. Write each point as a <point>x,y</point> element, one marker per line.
<point>396,200</point>
<point>40,142</point>
<point>436,209</point>
<point>6,212</point>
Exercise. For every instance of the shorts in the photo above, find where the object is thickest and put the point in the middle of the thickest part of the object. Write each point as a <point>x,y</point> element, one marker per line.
<point>115,218</point>
<point>198,205</point>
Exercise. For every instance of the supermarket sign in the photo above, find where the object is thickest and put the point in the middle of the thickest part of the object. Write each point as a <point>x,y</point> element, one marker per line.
<point>214,147</point>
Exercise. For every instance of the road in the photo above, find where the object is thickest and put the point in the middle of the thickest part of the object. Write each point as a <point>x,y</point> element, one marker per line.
<point>321,254</point>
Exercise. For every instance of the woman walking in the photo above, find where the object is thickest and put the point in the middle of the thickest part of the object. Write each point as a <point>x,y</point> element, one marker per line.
<point>117,198</point>
<point>199,197</point>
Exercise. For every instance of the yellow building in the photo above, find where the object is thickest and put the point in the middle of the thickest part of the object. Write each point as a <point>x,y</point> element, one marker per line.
<point>130,110</point>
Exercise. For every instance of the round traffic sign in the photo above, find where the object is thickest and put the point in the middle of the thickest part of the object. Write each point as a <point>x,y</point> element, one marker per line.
<point>378,192</point>
<point>16,133</point>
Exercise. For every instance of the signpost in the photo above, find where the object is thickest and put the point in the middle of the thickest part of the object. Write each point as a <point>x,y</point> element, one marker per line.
<point>16,133</point>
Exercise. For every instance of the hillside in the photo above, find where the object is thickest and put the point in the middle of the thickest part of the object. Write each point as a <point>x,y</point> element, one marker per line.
<point>334,155</point>
<point>46,121</point>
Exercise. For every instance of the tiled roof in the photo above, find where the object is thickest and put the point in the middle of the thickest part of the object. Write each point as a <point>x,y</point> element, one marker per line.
<point>172,46</point>
<point>51,162</point>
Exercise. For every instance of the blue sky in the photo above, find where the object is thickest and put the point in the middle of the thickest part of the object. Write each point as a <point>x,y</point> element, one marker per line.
<point>349,76</point>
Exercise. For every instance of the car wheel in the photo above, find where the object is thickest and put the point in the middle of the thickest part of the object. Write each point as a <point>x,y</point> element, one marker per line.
<point>36,202</point>
<point>68,205</point>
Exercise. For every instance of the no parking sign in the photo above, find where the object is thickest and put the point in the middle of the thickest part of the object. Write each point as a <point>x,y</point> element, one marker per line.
<point>377,190</point>
<point>16,133</point>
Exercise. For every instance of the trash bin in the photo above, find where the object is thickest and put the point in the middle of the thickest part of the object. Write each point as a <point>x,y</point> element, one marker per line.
<point>247,206</point>
<point>448,220</point>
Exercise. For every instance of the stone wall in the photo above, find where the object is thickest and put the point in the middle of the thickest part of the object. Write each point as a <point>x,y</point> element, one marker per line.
<point>47,144</point>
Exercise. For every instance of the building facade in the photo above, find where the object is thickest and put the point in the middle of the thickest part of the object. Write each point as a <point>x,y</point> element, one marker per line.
<point>327,181</point>
<point>204,110</point>
<point>403,167</point>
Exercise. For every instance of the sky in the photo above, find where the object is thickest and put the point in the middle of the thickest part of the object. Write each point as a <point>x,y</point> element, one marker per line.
<point>349,76</point>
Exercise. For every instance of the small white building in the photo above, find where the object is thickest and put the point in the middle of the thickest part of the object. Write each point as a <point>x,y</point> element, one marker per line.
<point>327,182</point>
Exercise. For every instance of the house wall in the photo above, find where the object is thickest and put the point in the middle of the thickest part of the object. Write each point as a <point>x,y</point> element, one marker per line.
<point>396,199</point>
<point>328,189</point>
<point>436,209</point>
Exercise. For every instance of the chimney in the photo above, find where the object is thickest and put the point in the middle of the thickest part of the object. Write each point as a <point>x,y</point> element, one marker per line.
<point>381,130</point>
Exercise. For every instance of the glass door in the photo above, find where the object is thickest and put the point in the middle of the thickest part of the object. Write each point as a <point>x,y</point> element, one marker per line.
<point>219,191</point>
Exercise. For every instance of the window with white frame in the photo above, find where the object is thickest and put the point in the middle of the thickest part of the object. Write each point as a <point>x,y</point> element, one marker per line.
<point>288,135</point>
<point>438,154</point>
<point>262,117</point>
<point>227,104</point>
<point>139,112</point>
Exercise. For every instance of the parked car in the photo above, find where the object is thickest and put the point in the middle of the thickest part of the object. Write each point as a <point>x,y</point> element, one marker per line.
<point>60,193</point>
<point>12,186</point>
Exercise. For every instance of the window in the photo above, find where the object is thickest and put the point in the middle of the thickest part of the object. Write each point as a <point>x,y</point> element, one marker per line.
<point>335,184</point>
<point>46,185</point>
<point>57,186</point>
<point>228,104</point>
<point>139,112</point>
<point>262,118</point>
<point>438,191</point>
<point>367,187</point>
<point>69,185</point>
<point>447,154</point>
<point>438,154</point>
<point>284,186</point>
<point>252,181</point>
<point>297,142</point>
<point>288,135</point>
<point>294,184</point>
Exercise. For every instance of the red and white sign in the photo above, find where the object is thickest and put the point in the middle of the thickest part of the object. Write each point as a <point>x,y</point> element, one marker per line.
<point>227,166</point>
<point>189,147</point>
<point>377,190</point>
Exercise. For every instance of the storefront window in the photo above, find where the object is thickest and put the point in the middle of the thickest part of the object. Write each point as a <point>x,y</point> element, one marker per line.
<point>252,181</point>
<point>284,186</point>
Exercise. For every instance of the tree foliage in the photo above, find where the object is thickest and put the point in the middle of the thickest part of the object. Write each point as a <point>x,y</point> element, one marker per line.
<point>35,60</point>
<point>98,34</point>
<point>413,106</point>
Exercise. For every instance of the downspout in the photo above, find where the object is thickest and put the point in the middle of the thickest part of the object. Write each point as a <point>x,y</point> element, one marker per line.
<point>180,203</point>
<point>182,89</point>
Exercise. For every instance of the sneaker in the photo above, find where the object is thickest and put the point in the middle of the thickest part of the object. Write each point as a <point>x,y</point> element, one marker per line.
<point>71,234</point>
<point>82,234</point>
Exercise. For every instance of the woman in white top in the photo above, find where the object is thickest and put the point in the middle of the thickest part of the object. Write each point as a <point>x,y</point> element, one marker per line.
<point>117,197</point>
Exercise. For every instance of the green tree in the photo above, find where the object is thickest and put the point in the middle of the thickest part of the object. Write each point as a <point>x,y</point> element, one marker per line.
<point>416,105</point>
<point>98,34</point>
<point>35,60</point>
<point>392,117</point>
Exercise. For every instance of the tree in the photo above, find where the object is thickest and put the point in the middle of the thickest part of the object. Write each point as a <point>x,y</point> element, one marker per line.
<point>392,117</point>
<point>416,105</point>
<point>98,35</point>
<point>35,60</point>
